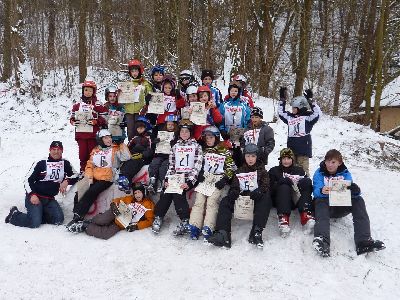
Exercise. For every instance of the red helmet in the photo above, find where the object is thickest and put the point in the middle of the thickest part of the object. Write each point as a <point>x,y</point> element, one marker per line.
<point>203,88</point>
<point>136,63</point>
<point>89,83</point>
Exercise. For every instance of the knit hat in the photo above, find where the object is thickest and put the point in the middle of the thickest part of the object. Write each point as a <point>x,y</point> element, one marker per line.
<point>286,152</point>
<point>206,73</point>
<point>256,111</point>
<point>56,144</point>
<point>138,186</point>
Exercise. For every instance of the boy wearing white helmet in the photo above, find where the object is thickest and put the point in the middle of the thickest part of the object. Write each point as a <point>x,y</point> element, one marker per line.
<point>116,113</point>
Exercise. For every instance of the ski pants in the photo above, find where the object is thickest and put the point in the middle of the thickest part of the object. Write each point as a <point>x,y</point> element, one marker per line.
<point>85,148</point>
<point>158,167</point>
<point>130,124</point>
<point>48,211</point>
<point>323,213</point>
<point>82,207</point>
<point>103,226</point>
<point>205,210</point>
<point>131,167</point>
<point>304,162</point>
<point>283,197</point>
<point>262,206</point>
<point>180,202</point>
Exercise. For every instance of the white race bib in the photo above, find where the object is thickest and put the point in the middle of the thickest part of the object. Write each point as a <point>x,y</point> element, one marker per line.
<point>169,103</point>
<point>103,158</point>
<point>233,115</point>
<point>214,163</point>
<point>184,160</point>
<point>297,127</point>
<point>137,211</point>
<point>54,171</point>
<point>247,181</point>
<point>252,136</point>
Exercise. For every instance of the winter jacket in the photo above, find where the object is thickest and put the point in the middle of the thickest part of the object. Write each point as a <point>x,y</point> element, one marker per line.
<point>116,110</point>
<point>299,128</point>
<point>104,162</point>
<point>99,113</point>
<point>210,163</point>
<point>143,140</point>
<point>234,113</point>
<point>214,117</point>
<point>172,106</point>
<point>321,178</point>
<point>263,137</point>
<point>134,108</point>
<point>148,216</point>
<point>216,95</point>
<point>277,173</point>
<point>45,176</point>
<point>186,157</point>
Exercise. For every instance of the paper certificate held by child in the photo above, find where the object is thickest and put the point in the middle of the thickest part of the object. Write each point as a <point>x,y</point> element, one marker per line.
<point>207,187</point>
<point>199,113</point>
<point>164,145</point>
<point>113,125</point>
<point>156,104</point>
<point>236,133</point>
<point>84,117</point>
<point>244,208</point>
<point>339,194</point>
<point>129,93</point>
<point>174,184</point>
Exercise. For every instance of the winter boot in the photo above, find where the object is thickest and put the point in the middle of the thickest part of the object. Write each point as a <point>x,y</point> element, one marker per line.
<point>79,226</point>
<point>194,232</point>
<point>74,220</point>
<point>369,246</point>
<point>157,224</point>
<point>13,210</point>
<point>220,238</point>
<point>151,187</point>
<point>206,232</point>
<point>321,245</point>
<point>307,220</point>
<point>124,184</point>
<point>160,186</point>
<point>182,228</point>
<point>283,224</point>
<point>255,237</point>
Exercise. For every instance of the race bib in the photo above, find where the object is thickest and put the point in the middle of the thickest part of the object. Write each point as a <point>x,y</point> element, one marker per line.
<point>84,107</point>
<point>233,116</point>
<point>54,171</point>
<point>214,163</point>
<point>103,158</point>
<point>184,161</point>
<point>252,136</point>
<point>137,211</point>
<point>247,181</point>
<point>297,127</point>
<point>169,103</point>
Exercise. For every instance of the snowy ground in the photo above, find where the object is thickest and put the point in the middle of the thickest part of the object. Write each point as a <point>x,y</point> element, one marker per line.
<point>51,263</point>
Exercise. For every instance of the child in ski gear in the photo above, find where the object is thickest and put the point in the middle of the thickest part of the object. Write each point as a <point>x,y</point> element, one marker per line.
<point>186,79</point>
<point>245,95</point>
<point>44,181</point>
<point>258,190</point>
<point>141,88</point>
<point>260,133</point>
<point>141,153</point>
<point>186,158</point>
<point>157,76</point>
<point>333,168</point>
<point>100,171</point>
<point>116,112</point>
<point>284,180</point>
<point>91,108</point>
<point>218,161</point>
<point>106,225</point>
<point>300,123</point>
<point>207,77</point>
<point>159,165</point>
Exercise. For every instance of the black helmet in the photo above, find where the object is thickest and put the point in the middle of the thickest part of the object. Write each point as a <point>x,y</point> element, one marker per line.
<point>250,149</point>
<point>256,111</point>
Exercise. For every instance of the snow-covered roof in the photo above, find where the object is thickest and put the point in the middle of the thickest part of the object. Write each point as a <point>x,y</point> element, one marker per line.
<point>390,94</point>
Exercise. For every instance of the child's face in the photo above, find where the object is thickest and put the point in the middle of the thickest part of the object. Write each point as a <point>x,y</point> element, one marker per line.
<point>295,110</point>
<point>286,162</point>
<point>233,92</point>
<point>332,165</point>
<point>185,82</point>
<point>207,80</point>
<point>140,129</point>
<point>112,98</point>
<point>158,77</point>
<point>107,140</point>
<point>210,140</point>
<point>138,195</point>
<point>167,88</point>
<point>184,134</point>
<point>170,126</point>
<point>250,159</point>
<point>203,97</point>
<point>88,91</point>
<point>192,98</point>
<point>255,120</point>
<point>134,72</point>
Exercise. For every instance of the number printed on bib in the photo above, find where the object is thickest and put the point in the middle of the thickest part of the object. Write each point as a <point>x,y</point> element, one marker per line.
<point>214,163</point>
<point>103,158</point>
<point>233,115</point>
<point>297,127</point>
<point>252,136</point>
<point>184,162</point>
<point>54,171</point>
<point>169,103</point>
<point>247,181</point>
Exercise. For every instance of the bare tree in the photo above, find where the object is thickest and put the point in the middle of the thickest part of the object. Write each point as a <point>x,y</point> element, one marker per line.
<point>82,40</point>
<point>7,60</point>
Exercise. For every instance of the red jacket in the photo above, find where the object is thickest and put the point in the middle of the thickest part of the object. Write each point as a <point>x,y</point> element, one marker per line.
<point>216,119</point>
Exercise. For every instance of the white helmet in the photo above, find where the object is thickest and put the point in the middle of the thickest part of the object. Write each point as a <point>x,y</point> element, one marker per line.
<point>185,73</point>
<point>299,102</point>
<point>191,90</point>
<point>100,134</point>
<point>240,77</point>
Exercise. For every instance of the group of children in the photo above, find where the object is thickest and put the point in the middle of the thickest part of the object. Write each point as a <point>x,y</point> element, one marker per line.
<point>204,155</point>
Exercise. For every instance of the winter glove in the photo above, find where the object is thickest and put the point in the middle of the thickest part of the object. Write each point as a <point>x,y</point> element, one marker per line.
<point>190,185</point>
<point>256,194</point>
<point>114,209</point>
<point>283,93</point>
<point>92,122</point>
<point>147,99</point>
<point>200,177</point>
<point>137,149</point>
<point>232,196</point>
<point>156,140</point>
<point>75,123</point>
<point>220,184</point>
<point>354,189</point>
<point>131,227</point>
<point>122,124</point>
<point>224,135</point>
<point>285,180</point>
<point>308,93</point>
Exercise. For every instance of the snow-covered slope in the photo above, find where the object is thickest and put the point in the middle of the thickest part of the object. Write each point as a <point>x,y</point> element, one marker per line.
<point>51,263</point>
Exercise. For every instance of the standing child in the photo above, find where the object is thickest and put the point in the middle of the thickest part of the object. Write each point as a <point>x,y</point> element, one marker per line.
<point>333,168</point>
<point>300,123</point>
<point>157,76</point>
<point>245,95</point>
<point>89,105</point>
<point>116,114</point>
<point>186,158</point>
<point>207,77</point>
<point>186,79</point>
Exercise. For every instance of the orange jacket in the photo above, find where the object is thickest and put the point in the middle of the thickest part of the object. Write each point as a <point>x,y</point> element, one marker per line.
<point>148,217</point>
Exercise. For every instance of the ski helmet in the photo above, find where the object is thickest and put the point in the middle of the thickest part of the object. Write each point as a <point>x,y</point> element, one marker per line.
<point>237,85</point>
<point>191,90</point>
<point>171,118</point>
<point>286,152</point>
<point>185,123</point>
<point>204,88</point>
<point>157,68</point>
<point>110,89</point>
<point>171,80</point>
<point>256,111</point>
<point>136,64</point>
<point>213,130</point>
<point>89,82</point>
<point>207,73</point>
<point>241,78</point>
<point>250,149</point>
<point>299,102</point>
<point>145,121</point>
<point>99,137</point>
<point>185,74</point>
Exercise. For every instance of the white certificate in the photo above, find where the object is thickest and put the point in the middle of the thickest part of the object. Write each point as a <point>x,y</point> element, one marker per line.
<point>156,104</point>
<point>199,113</point>
<point>164,146</point>
<point>174,184</point>
<point>129,93</point>
<point>207,187</point>
<point>83,117</point>
<point>244,208</point>
<point>339,194</point>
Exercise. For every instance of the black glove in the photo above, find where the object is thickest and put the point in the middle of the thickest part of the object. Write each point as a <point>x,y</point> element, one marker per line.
<point>114,209</point>
<point>283,93</point>
<point>147,99</point>
<point>122,124</point>
<point>137,149</point>
<point>354,189</point>
<point>156,140</point>
<point>224,135</point>
<point>232,196</point>
<point>256,194</point>
<point>308,93</point>
<point>285,180</point>
<point>200,177</point>
<point>245,193</point>
<point>190,185</point>
<point>220,184</point>
<point>131,227</point>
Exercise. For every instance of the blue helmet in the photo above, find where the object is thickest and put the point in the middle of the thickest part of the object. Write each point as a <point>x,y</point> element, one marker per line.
<point>171,118</point>
<point>146,122</point>
<point>157,68</point>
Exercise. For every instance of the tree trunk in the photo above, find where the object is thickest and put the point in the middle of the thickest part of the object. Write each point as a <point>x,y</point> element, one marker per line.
<point>208,53</point>
<point>160,28</point>
<point>184,41</point>
<point>7,60</point>
<point>82,41</point>
<point>52,29</point>
<point>106,6</point>
<point>237,38</point>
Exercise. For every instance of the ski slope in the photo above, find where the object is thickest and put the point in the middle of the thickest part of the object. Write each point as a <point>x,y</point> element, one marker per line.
<point>51,263</point>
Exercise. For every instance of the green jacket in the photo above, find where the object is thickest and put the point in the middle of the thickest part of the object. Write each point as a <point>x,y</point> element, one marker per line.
<point>134,108</point>
<point>229,165</point>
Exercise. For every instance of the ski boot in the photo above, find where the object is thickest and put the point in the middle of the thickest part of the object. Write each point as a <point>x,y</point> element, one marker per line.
<point>151,187</point>
<point>124,184</point>
<point>79,226</point>
<point>13,211</point>
<point>221,238</point>
<point>255,237</point>
<point>369,246</point>
<point>157,224</point>
<point>182,228</point>
<point>194,232</point>
<point>308,221</point>
<point>74,220</point>
<point>206,232</point>
<point>160,186</point>
<point>321,245</point>
<point>283,224</point>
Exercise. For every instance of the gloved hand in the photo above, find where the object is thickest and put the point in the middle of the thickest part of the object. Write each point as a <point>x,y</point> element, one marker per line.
<point>285,180</point>
<point>283,93</point>
<point>114,209</point>
<point>220,184</point>
<point>225,135</point>
<point>308,93</point>
<point>131,227</point>
<point>92,122</point>
<point>256,194</point>
<point>245,193</point>
<point>137,149</point>
<point>156,140</point>
<point>200,177</point>
<point>232,196</point>
<point>75,123</point>
<point>354,189</point>
<point>122,124</point>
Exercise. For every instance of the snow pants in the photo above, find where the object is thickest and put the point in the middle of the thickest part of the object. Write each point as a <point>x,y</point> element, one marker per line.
<point>323,213</point>
<point>158,167</point>
<point>103,226</point>
<point>262,206</point>
<point>304,162</point>
<point>131,167</point>
<point>130,124</point>
<point>85,148</point>
<point>82,207</point>
<point>209,205</point>
<point>180,202</point>
<point>283,197</point>
<point>48,211</point>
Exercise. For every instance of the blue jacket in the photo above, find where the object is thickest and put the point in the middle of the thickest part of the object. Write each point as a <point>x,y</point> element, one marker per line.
<point>234,112</point>
<point>216,94</point>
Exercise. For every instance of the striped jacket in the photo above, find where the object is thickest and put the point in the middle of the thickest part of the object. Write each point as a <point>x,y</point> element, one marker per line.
<point>220,149</point>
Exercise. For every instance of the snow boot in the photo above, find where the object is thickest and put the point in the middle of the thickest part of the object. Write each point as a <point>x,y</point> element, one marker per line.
<point>283,224</point>
<point>255,237</point>
<point>151,187</point>
<point>206,232</point>
<point>79,226</point>
<point>182,228</point>
<point>194,232</point>
<point>13,210</point>
<point>124,184</point>
<point>321,245</point>
<point>160,186</point>
<point>369,246</point>
<point>308,221</point>
<point>157,224</point>
<point>74,220</point>
<point>220,238</point>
